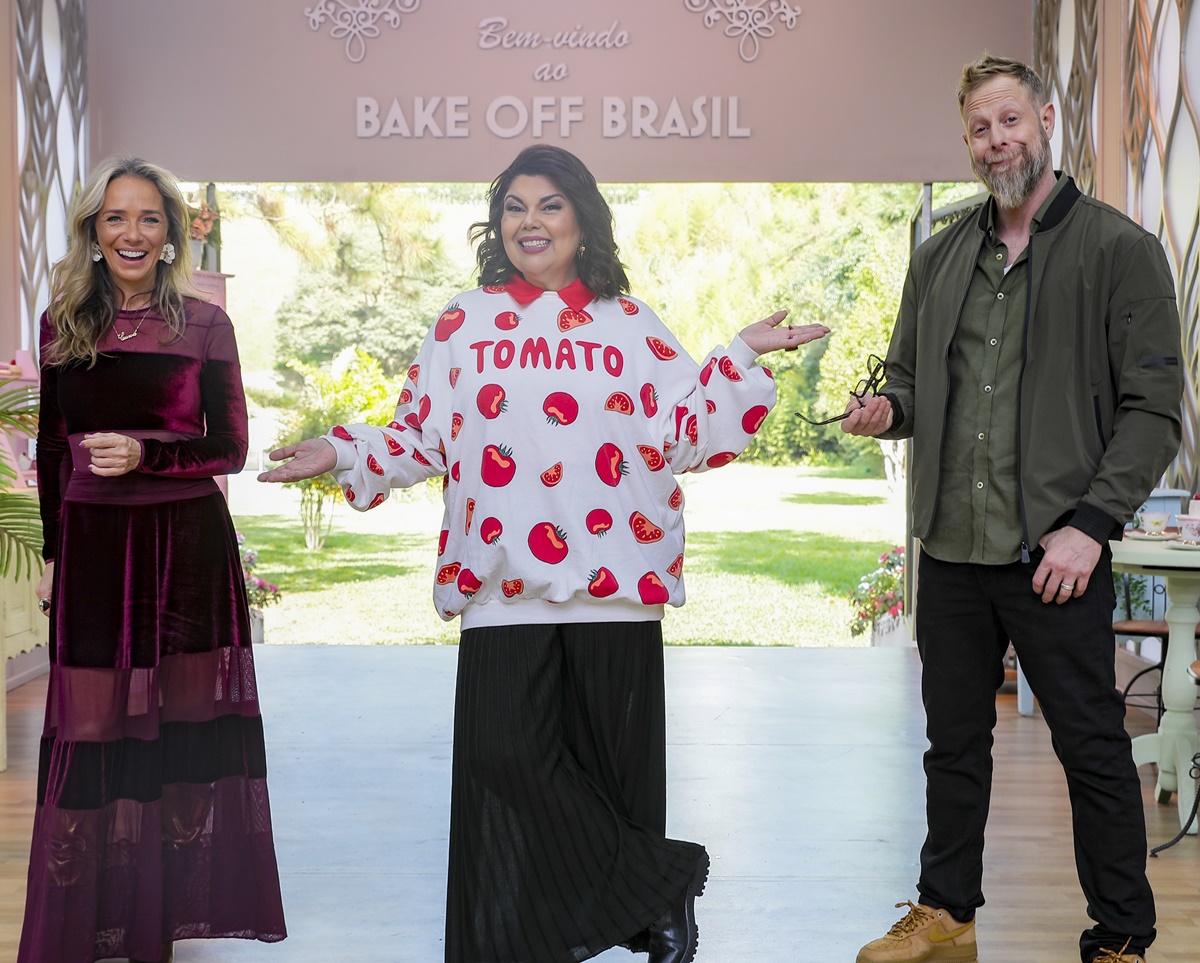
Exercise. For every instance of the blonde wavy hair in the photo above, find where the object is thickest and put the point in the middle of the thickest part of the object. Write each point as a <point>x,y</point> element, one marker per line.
<point>84,300</point>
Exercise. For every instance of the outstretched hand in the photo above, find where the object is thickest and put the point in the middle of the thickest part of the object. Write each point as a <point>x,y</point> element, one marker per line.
<point>767,334</point>
<point>309,458</point>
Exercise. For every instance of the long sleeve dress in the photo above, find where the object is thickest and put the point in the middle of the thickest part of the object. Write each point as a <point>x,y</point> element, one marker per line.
<point>153,822</point>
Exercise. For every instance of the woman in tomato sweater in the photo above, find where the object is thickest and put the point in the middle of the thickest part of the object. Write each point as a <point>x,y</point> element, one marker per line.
<point>560,409</point>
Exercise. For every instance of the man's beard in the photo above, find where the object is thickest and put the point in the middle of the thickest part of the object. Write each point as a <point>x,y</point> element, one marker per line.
<point>1011,187</point>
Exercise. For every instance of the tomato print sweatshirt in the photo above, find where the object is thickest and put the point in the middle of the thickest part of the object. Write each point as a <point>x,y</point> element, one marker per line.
<point>559,422</point>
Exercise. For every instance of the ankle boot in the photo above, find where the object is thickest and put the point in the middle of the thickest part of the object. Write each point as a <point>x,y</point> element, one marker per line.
<point>674,938</point>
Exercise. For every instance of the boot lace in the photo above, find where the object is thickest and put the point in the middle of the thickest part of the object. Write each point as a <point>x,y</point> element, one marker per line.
<point>916,917</point>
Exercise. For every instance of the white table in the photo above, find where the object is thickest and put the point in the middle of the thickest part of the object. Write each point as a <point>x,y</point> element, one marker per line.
<point>1176,740</point>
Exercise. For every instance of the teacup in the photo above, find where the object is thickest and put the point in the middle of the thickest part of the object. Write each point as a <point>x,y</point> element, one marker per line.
<point>1189,529</point>
<point>1155,523</point>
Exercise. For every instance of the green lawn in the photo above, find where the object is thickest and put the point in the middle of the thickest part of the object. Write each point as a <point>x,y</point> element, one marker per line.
<point>772,554</point>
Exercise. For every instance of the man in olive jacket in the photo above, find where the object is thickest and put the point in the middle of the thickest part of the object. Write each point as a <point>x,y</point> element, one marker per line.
<point>1035,366</point>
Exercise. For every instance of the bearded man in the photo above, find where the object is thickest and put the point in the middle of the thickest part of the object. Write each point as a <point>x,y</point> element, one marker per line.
<point>1035,366</point>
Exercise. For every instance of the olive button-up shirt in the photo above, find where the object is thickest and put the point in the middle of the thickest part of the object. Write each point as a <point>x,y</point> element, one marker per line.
<point>978,517</point>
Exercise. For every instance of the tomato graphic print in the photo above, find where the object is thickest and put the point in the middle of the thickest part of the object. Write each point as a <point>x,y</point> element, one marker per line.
<point>643,529</point>
<point>560,408</point>
<point>448,573</point>
<point>569,318</point>
<point>498,467</point>
<point>396,426</point>
<point>619,402</point>
<point>548,543</point>
<point>470,514</point>
<point>649,400</point>
<point>752,420</point>
<point>512,588</point>
<point>340,432</point>
<point>627,306</point>
<point>767,372</point>
<point>552,475</point>
<point>598,522</point>
<point>454,373</point>
<point>710,406</point>
<point>727,368</point>
<point>706,371</point>
<point>414,373</point>
<point>507,320</point>
<point>676,567</point>
<point>456,470</point>
<point>406,397</point>
<point>692,431</point>
<point>602,583</point>
<point>653,457</point>
<point>490,401</point>
<point>420,459</point>
<point>610,464</point>
<point>661,350</point>
<point>450,321</point>
<point>394,447</point>
<point>494,289</point>
<point>456,423</point>
<point>468,583</point>
<point>350,496</point>
<point>651,590</point>
<point>490,529</point>
<point>377,501</point>
<point>676,499</point>
<point>442,540</point>
<point>373,465</point>
<point>720,458</point>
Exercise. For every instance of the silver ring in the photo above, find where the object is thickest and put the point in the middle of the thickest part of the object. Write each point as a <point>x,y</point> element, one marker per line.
<point>1064,586</point>
<point>44,605</point>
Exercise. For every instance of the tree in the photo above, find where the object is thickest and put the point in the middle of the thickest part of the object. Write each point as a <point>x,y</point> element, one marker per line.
<point>374,271</point>
<point>352,389</point>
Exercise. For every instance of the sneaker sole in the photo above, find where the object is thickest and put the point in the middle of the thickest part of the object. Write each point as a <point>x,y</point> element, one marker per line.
<point>966,953</point>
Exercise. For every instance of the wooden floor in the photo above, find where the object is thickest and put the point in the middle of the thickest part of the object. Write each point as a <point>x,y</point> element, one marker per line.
<point>798,768</point>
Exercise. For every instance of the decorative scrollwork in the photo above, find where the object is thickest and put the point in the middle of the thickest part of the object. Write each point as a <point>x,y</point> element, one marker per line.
<point>358,22</point>
<point>747,20</point>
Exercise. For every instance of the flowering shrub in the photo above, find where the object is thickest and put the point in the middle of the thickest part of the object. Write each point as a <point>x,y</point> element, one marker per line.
<point>879,593</point>
<point>259,592</point>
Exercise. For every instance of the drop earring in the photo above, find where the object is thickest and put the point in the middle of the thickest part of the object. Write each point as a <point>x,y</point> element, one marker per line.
<point>579,253</point>
<point>167,253</point>
<point>97,254</point>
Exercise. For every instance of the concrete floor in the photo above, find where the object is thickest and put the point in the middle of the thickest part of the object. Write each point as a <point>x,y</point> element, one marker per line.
<point>797,768</point>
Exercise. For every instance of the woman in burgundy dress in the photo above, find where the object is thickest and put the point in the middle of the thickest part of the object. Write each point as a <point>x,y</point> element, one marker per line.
<point>152,822</point>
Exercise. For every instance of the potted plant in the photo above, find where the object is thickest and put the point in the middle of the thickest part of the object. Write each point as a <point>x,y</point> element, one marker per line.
<point>259,592</point>
<point>878,601</point>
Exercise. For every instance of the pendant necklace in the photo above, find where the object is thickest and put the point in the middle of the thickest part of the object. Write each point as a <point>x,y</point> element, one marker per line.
<point>122,336</point>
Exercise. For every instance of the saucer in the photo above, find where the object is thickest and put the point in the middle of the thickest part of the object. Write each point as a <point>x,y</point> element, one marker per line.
<point>1147,537</point>
<point>1185,546</point>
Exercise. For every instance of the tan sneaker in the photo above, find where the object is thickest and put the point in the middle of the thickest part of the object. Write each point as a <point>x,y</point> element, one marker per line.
<point>1110,956</point>
<point>924,934</point>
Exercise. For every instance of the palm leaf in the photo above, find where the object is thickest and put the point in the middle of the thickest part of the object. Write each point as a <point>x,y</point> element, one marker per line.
<point>20,519</point>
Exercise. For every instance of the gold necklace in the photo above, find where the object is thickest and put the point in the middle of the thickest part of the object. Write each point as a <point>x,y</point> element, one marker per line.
<point>122,336</point>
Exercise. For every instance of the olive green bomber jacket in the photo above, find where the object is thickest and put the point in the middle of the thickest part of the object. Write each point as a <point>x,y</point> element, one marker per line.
<point>1101,379</point>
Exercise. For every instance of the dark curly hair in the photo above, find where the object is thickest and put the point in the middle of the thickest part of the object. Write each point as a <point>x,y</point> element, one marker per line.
<point>599,267</point>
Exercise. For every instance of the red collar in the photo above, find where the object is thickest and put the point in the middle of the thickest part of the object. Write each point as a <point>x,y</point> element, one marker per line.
<point>576,295</point>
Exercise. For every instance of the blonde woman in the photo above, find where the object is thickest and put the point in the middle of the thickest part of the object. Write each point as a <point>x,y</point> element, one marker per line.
<point>152,820</point>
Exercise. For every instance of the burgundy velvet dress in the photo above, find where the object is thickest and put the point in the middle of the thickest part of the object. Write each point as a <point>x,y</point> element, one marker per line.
<point>152,821</point>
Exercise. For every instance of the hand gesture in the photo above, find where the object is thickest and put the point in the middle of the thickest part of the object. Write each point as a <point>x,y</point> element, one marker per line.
<point>310,458</point>
<point>112,454</point>
<point>766,335</point>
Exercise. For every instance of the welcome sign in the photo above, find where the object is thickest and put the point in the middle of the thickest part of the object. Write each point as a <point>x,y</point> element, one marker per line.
<point>642,90</point>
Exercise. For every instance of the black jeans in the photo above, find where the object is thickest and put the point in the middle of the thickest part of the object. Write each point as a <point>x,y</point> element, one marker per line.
<point>966,616</point>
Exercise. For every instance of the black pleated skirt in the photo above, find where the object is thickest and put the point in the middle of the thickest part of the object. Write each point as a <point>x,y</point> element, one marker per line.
<point>558,807</point>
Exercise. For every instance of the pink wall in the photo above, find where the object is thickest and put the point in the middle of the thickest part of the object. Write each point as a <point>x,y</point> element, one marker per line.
<point>10,302</point>
<point>230,90</point>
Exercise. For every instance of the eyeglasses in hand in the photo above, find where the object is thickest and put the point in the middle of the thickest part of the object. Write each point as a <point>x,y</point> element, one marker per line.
<point>875,372</point>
